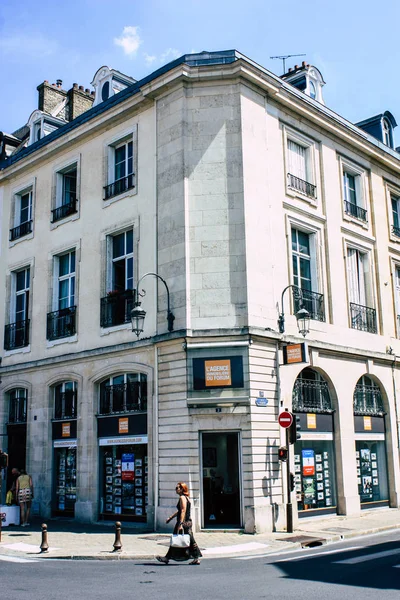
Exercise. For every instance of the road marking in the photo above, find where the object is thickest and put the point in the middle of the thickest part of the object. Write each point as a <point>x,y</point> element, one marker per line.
<point>22,547</point>
<point>236,548</point>
<point>17,559</point>
<point>294,557</point>
<point>367,557</point>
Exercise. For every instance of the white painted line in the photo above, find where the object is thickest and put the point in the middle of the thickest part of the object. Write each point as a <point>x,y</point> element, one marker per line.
<point>321,554</point>
<point>17,559</point>
<point>294,557</point>
<point>367,557</point>
<point>21,547</point>
<point>236,548</point>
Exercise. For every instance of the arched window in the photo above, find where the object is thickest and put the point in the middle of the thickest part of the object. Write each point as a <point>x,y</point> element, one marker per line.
<point>65,400</point>
<point>387,138</point>
<point>367,398</point>
<point>311,393</point>
<point>123,393</point>
<point>18,402</point>
<point>105,91</point>
<point>313,91</point>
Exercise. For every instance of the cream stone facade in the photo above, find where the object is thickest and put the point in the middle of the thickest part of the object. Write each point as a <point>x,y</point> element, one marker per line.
<point>208,199</point>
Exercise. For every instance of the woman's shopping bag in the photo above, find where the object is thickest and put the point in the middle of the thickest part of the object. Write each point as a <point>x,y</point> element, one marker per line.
<point>180,540</point>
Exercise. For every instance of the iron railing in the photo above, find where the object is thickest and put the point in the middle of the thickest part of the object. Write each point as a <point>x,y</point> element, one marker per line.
<point>64,211</point>
<point>396,231</point>
<point>367,400</point>
<point>304,187</point>
<point>65,405</point>
<point>119,186</point>
<point>123,397</point>
<point>17,410</point>
<point>311,301</point>
<point>311,396</point>
<point>115,308</point>
<point>61,323</point>
<point>20,230</point>
<point>355,211</point>
<point>363,318</point>
<point>16,335</point>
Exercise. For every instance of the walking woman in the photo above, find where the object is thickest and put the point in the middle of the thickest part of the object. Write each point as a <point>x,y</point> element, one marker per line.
<point>183,525</point>
<point>24,493</point>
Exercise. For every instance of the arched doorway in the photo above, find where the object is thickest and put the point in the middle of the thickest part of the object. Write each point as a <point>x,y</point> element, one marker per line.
<point>369,427</point>
<point>314,456</point>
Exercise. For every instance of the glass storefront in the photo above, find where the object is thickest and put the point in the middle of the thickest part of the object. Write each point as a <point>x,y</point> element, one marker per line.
<point>65,481</point>
<point>371,471</point>
<point>314,466</point>
<point>124,482</point>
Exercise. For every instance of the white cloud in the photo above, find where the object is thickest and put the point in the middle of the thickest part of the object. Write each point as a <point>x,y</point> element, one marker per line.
<point>149,59</point>
<point>129,41</point>
<point>34,46</point>
<point>163,58</point>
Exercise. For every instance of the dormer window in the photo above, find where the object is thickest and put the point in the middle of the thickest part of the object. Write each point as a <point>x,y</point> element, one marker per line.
<point>307,79</point>
<point>386,133</point>
<point>105,91</point>
<point>108,82</point>
<point>41,124</point>
<point>313,91</point>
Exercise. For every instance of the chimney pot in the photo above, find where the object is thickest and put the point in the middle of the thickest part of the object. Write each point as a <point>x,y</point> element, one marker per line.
<point>296,67</point>
<point>92,93</point>
<point>46,81</point>
<point>87,90</point>
<point>59,82</point>
<point>75,86</point>
<point>81,88</point>
<point>303,64</point>
<point>290,70</point>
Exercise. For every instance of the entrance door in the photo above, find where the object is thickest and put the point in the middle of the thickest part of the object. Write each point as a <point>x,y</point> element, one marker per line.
<point>16,449</point>
<point>221,480</point>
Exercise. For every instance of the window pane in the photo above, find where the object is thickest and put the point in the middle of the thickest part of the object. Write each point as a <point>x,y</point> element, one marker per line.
<point>72,255</point>
<point>20,281</point>
<point>63,268</point>
<point>129,274</point>
<point>295,271</point>
<point>129,242</point>
<point>305,270</point>
<point>304,243</point>
<point>294,240</point>
<point>119,275</point>
<point>117,380</point>
<point>69,187</point>
<point>63,293</point>
<point>118,245</point>
<point>120,155</point>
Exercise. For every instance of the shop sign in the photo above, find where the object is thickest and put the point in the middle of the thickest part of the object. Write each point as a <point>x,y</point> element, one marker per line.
<point>128,467</point>
<point>316,436</point>
<point>311,421</point>
<point>123,425</point>
<point>294,353</point>
<point>64,443</point>
<point>261,402</point>
<point>308,457</point>
<point>367,424</point>
<point>217,372</point>
<point>123,441</point>
<point>66,430</point>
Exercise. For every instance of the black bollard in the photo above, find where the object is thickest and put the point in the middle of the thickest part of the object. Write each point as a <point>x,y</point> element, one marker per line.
<point>44,546</point>
<point>117,544</point>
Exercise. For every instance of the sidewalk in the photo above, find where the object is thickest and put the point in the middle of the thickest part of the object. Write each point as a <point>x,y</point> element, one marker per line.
<point>71,540</point>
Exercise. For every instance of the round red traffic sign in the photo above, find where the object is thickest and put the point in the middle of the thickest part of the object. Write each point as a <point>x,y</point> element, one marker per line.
<point>285,419</point>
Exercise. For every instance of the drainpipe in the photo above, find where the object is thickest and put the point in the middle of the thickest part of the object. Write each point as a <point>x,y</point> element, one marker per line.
<point>155,437</point>
<point>279,396</point>
<point>395,400</point>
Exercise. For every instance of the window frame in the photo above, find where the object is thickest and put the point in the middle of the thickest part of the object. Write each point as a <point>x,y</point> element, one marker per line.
<point>310,146</point>
<point>17,194</point>
<point>59,171</point>
<point>61,385</point>
<point>71,275</point>
<point>396,294</point>
<point>369,280</point>
<point>361,191</point>
<point>111,145</point>
<point>392,192</point>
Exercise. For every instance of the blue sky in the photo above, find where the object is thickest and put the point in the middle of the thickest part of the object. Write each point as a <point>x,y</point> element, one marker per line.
<point>353,43</point>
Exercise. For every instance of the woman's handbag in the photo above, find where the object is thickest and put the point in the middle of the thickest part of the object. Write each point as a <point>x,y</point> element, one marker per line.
<point>180,540</point>
<point>9,498</point>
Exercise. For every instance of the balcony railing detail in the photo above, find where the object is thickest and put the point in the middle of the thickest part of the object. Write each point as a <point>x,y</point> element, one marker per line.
<point>123,397</point>
<point>16,335</point>
<point>65,405</point>
<point>299,185</point>
<point>64,211</point>
<point>311,396</point>
<point>61,323</point>
<point>355,211</point>
<point>17,411</point>
<point>20,230</point>
<point>115,308</point>
<point>367,400</point>
<point>396,231</point>
<point>311,301</point>
<point>363,318</point>
<point>119,186</point>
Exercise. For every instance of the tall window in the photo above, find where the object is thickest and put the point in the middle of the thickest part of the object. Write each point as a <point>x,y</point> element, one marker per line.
<point>353,197</point>
<point>66,192</point>
<point>300,175</point>
<point>122,261</point>
<point>22,215</point>
<point>363,316</point>
<point>17,406</point>
<point>22,283</point>
<point>121,177</point>
<point>305,276</point>
<point>386,133</point>
<point>123,160</point>
<point>61,323</point>
<point>123,393</point>
<point>16,334</point>
<point>66,280</point>
<point>397,297</point>
<point>297,160</point>
<point>396,215</point>
<point>65,400</point>
<point>349,184</point>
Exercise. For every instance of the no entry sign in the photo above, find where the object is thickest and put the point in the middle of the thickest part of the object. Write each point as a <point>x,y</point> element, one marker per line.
<point>285,419</point>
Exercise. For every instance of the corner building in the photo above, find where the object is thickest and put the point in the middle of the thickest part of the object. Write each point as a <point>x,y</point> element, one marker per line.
<point>248,197</point>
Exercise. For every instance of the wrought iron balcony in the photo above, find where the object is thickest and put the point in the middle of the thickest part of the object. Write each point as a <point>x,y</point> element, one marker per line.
<point>355,211</point>
<point>311,301</point>
<point>65,405</point>
<point>20,231</point>
<point>299,185</point>
<point>396,231</point>
<point>311,396</point>
<point>123,397</point>
<point>119,186</point>
<point>61,323</point>
<point>363,318</point>
<point>17,411</point>
<point>367,400</point>
<point>64,211</point>
<point>16,335</point>
<point>115,308</point>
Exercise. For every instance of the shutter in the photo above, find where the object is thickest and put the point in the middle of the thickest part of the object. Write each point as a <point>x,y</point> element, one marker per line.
<point>352,271</point>
<point>297,160</point>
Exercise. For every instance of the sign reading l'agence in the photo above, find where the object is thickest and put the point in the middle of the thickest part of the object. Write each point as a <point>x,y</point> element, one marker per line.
<point>218,372</point>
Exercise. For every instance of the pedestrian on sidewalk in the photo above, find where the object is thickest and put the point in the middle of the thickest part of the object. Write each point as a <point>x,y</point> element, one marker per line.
<point>183,525</point>
<point>14,474</point>
<point>24,491</point>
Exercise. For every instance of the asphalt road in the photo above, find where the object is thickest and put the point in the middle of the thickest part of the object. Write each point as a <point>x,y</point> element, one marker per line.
<point>360,568</point>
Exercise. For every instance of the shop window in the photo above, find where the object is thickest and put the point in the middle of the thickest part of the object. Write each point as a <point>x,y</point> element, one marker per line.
<point>65,400</point>
<point>18,404</point>
<point>65,481</point>
<point>123,393</point>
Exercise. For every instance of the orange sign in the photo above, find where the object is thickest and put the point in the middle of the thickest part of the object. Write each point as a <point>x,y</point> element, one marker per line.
<point>66,429</point>
<point>217,372</point>
<point>367,424</point>
<point>123,425</point>
<point>311,421</point>
<point>294,353</point>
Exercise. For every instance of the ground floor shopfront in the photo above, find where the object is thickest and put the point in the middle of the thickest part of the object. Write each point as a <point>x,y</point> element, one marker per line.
<point>207,414</point>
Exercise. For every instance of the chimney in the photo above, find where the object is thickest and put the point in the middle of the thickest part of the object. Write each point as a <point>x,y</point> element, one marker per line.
<point>50,96</point>
<point>79,100</point>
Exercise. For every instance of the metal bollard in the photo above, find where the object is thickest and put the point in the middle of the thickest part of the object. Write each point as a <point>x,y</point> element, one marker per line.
<point>117,544</point>
<point>44,546</point>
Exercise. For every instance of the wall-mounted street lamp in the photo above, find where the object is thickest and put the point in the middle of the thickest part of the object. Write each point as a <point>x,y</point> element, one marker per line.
<point>138,314</point>
<point>302,315</point>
